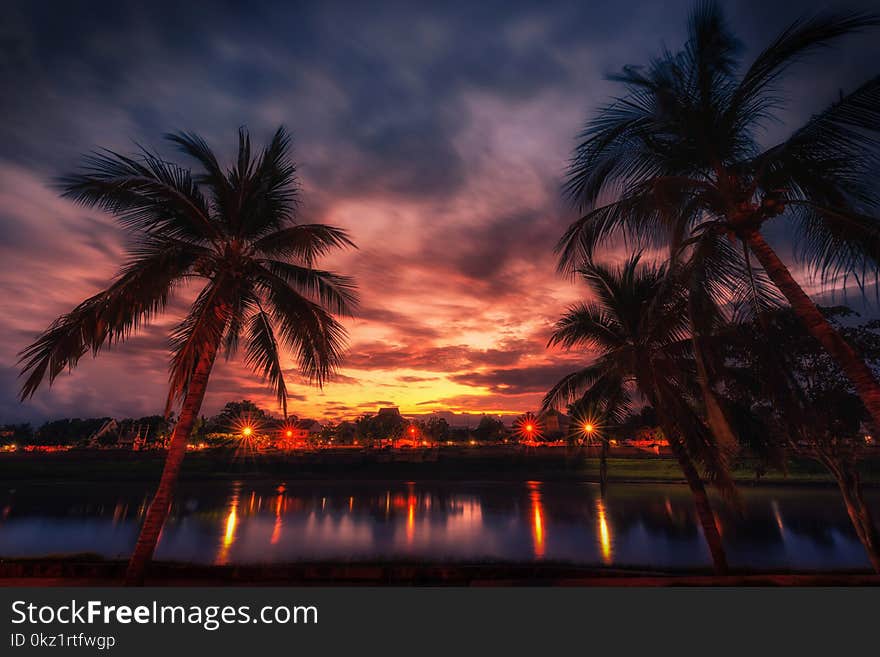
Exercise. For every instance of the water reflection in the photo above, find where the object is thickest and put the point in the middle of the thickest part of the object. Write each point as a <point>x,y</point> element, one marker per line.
<point>231,523</point>
<point>537,518</point>
<point>604,533</point>
<point>279,516</point>
<point>651,526</point>
<point>410,515</point>
<point>778,517</point>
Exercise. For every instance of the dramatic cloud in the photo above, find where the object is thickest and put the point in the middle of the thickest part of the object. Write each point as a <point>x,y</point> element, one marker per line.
<point>517,380</point>
<point>436,134</point>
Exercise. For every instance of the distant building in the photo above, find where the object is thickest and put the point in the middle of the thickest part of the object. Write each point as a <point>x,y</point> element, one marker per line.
<point>389,410</point>
<point>310,427</point>
<point>554,422</point>
<point>346,432</point>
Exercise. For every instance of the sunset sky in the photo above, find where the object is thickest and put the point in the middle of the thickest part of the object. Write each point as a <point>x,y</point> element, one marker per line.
<point>435,134</point>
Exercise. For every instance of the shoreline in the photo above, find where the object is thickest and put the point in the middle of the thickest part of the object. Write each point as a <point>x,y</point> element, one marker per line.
<point>75,571</point>
<point>480,465</point>
<point>270,481</point>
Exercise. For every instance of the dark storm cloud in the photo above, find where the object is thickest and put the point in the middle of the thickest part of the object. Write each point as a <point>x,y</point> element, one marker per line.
<point>405,324</point>
<point>389,80</point>
<point>416,379</point>
<point>447,358</point>
<point>519,380</point>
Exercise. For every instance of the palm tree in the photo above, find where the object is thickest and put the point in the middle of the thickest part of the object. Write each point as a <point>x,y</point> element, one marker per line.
<point>233,231</point>
<point>801,403</point>
<point>679,157</point>
<point>639,327</point>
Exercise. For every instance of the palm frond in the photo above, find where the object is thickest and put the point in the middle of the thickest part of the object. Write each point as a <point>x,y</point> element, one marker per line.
<point>303,242</point>
<point>264,356</point>
<point>756,95</point>
<point>587,325</point>
<point>572,386</point>
<point>141,291</point>
<point>336,292</point>
<point>267,187</point>
<point>202,329</point>
<point>307,329</point>
<point>213,176</point>
<point>835,241</point>
<point>148,195</point>
<point>242,308</point>
<point>646,214</point>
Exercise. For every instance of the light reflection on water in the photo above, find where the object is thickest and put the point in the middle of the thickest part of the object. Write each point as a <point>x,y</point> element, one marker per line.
<point>537,518</point>
<point>231,524</point>
<point>246,522</point>
<point>604,532</point>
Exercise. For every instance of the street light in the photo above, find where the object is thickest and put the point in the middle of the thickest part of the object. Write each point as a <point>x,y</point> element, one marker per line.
<point>247,431</point>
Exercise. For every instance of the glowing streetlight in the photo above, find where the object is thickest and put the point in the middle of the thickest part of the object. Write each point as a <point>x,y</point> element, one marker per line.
<point>589,428</point>
<point>528,427</point>
<point>247,431</point>
<point>289,433</point>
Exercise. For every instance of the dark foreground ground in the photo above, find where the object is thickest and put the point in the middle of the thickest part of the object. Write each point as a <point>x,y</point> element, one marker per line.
<point>73,572</point>
<point>453,464</point>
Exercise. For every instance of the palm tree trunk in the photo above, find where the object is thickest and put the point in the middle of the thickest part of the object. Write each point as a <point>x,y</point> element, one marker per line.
<point>859,374</point>
<point>859,514</point>
<point>161,504</point>
<point>702,504</point>
<point>715,415</point>
<point>861,518</point>
<point>705,514</point>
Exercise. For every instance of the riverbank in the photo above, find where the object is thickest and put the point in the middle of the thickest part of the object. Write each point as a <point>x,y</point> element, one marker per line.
<point>452,464</point>
<point>81,571</point>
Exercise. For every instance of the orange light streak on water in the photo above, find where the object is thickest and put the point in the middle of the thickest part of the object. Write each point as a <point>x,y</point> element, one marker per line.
<point>537,518</point>
<point>605,548</point>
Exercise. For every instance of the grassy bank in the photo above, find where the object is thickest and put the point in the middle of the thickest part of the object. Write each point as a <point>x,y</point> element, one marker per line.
<point>502,464</point>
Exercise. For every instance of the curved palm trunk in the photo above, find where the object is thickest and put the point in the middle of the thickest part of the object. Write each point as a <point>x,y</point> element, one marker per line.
<point>705,515</point>
<point>859,514</point>
<point>715,416</point>
<point>859,374</point>
<point>161,504</point>
<point>603,467</point>
<point>701,501</point>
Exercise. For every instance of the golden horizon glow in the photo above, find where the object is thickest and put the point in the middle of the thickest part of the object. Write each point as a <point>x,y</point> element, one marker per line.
<point>439,393</point>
